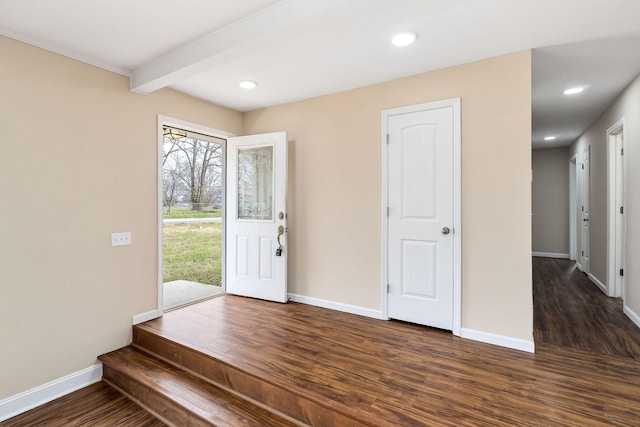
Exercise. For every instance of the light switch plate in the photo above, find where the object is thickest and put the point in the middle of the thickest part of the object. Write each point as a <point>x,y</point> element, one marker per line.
<point>121,239</point>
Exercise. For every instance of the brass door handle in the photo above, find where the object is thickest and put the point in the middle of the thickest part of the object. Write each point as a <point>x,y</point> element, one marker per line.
<point>280,233</point>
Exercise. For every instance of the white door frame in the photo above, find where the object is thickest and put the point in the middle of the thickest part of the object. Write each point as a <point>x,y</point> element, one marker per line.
<point>614,259</point>
<point>453,103</point>
<point>573,242</point>
<point>193,127</point>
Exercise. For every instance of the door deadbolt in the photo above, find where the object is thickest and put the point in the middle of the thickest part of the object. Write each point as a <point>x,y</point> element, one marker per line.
<point>445,230</point>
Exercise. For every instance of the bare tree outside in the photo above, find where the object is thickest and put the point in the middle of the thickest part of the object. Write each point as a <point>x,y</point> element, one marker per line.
<point>192,173</point>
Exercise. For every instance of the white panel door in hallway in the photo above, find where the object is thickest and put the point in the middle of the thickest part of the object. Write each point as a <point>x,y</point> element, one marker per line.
<point>421,223</point>
<point>585,189</point>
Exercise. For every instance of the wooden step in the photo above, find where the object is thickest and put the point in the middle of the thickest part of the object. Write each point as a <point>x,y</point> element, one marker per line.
<point>283,396</point>
<point>177,397</point>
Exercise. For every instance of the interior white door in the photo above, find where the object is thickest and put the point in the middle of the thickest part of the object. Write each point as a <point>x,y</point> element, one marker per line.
<point>585,211</point>
<point>256,262</point>
<point>421,217</point>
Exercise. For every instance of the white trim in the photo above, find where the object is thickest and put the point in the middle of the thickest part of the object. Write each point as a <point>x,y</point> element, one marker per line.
<point>501,340</point>
<point>597,282</point>
<point>612,156</point>
<point>65,51</point>
<point>573,243</point>
<point>22,402</point>
<point>550,255</point>
<point>193,127</point>
<point>453,103</point>
<point>338,306</point>
<point>631,315</point>
<point>145,317</point>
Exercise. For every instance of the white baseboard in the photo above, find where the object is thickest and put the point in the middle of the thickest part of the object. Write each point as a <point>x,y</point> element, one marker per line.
<point>501,340</point>
<point>145,317</point>
<point>598,283</point>
<point>347,308</point>
<point>631,315</point>
<point>550,255</point>
<point>15,405</point>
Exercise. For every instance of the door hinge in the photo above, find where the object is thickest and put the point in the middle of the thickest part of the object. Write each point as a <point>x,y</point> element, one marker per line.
<point>621,209</point>
<point>388,288</point>
<point>388,210</point>
<point>622,151</point>
<point>622,272</point>
<point>583,209</point>
<point>387,139</point>
<point>582,165</point>
<point>582,253</point>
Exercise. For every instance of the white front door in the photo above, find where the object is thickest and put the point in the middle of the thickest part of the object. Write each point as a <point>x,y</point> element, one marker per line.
<point>585,211</point>
<point>421,215</point>
<point>256,262</point>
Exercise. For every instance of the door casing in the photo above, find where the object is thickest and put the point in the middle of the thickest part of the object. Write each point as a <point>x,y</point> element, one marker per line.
<point>616,223</point>
<point>453,103</point>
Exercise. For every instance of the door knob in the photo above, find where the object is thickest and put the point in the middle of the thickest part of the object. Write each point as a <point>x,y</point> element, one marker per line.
<point>445,230</point>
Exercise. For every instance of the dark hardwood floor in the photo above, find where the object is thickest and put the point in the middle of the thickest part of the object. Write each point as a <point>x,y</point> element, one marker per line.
<point>585,372</point>
<point>395,374</point>
<point>570,311</point>
<point>96,405</point>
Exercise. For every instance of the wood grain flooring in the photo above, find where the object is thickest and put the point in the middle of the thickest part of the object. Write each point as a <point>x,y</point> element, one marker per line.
<point>335,369</point>
<point>396,374</point>
<point>96,405</point>
<point>570,311</point>
<point>179,398</point>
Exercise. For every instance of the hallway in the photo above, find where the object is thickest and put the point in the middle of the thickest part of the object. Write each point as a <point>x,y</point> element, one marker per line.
<point>570,311</point>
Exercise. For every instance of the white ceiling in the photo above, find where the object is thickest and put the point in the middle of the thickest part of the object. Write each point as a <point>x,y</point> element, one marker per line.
<point>297,49</point>
<point>605,67</point>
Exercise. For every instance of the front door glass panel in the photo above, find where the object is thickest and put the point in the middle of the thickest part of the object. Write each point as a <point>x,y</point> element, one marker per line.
<point>255,183</point>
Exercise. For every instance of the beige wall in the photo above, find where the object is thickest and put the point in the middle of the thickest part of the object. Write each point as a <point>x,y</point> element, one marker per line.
<point>79,154</point>
<point>335,189</point>
<point>627,106</point>
<point>550,200</point>
<point>78,161</point>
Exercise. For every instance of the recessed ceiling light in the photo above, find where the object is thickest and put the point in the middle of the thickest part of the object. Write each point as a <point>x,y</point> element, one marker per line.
<point>574,90</point>
<point>404,39</point>
<point>549,138</point>
<point>248,84</point>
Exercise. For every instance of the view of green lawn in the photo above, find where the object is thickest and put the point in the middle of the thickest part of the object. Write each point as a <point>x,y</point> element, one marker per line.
<point>187,212</point>
<point>193,251</point>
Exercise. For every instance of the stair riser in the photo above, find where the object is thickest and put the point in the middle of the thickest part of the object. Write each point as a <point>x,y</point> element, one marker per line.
<point>163,408</point>
<point>223,375</point>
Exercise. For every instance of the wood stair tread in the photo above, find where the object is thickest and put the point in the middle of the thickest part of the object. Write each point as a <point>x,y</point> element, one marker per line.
<point>211,405</point>
<point>289,395</point>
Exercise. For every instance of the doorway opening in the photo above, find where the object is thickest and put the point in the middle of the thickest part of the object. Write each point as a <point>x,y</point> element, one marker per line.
<point>191,217</point>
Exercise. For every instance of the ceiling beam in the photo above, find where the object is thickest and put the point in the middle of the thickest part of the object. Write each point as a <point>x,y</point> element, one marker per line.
<point>258,31</point>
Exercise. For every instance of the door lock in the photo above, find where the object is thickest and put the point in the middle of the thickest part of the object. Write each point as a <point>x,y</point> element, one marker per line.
<point>445,230</point>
